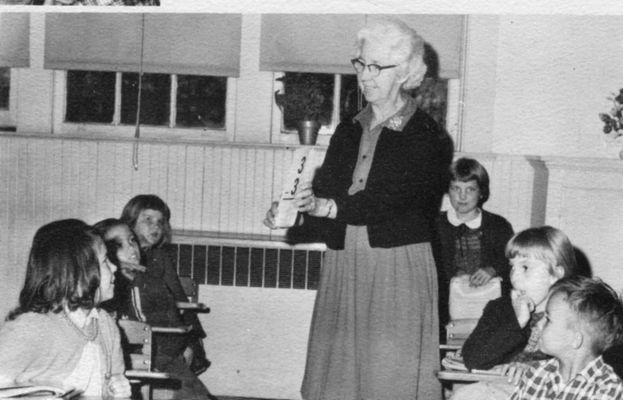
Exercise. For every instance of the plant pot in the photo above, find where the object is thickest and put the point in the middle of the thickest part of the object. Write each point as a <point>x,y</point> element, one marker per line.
<point>308,132</point>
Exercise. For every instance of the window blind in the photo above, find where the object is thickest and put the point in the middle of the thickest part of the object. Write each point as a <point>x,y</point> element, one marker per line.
<point>193,44</point>
<point>325,42</point>
<point>309,42</point>
<point>14,39</point>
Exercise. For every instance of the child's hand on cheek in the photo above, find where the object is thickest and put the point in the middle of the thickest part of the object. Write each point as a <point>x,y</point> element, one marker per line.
<point>523,306</point>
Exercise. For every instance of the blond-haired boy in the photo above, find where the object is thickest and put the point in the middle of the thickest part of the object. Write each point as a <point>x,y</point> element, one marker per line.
<point>583,318</point>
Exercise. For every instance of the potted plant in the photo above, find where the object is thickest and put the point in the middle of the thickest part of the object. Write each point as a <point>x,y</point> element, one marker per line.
<point>613,120</point>
<point>613,123</point>
<point>302,103</point>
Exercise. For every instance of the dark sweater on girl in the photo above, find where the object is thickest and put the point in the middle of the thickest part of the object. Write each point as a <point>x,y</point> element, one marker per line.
<point>495,232</point>
<point>498,338</point>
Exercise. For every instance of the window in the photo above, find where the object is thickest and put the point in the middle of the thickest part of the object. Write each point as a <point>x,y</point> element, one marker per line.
<point>340,98</point>
<point>5,87</point>
<point>7,99</point>
<point>438,97</point>
<point>187,106</point>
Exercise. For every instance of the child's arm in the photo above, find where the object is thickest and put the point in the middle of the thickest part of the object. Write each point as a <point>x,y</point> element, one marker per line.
<point>496,338</point>
<point>173,283</point>
<point>118,385</point>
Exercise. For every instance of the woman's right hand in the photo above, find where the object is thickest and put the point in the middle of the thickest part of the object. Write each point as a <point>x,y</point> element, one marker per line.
<point>269,220</point>
<point>523,306</point>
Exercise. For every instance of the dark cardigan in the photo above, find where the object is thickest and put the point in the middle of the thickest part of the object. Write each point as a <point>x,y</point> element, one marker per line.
<point>496,232</point>
<point>497,338</point>
<point>404,188</point>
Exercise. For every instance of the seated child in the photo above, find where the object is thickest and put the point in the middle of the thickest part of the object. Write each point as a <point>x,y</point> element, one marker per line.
<point>133,293</point>
<point>508,330</point>
<point>583,318</point>
<point>57,335</point>
<point>470,240</point>
<point>146,297</point>
<point>149,218</point>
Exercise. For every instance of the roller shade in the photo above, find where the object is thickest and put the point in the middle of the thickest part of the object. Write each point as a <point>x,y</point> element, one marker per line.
<point>444,33</point>
<point>309,42</point>
<point>194,44</point>
<point>14,39</point>
<point>324,43</point>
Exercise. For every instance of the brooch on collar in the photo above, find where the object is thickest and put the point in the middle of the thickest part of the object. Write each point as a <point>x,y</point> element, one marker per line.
<point>395,122</point>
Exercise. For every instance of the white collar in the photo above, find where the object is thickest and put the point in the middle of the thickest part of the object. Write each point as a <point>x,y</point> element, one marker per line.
<point>472,224</point>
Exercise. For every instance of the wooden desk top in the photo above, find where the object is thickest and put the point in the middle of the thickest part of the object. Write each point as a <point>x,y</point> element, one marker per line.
<point>463,376</point>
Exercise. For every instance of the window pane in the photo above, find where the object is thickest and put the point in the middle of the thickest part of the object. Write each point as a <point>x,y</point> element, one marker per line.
<point>201,101</point>
<point>351,100</point>
<point>299,88</point>
<point>5,87</point>
<point>432,97</point>
<point>155,98</point>
<point>90,96</point>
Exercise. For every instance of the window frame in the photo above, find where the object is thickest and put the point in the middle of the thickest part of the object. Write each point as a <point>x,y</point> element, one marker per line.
<point>8,116</point>
<point>279,135</point>
<point>118,131</point>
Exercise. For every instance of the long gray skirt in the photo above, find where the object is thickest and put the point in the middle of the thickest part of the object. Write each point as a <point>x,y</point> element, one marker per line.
<point>374,332</point>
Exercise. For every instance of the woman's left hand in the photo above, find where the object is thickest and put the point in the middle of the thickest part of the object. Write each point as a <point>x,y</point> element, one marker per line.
<point>118,386</point>
<point>307,202</point>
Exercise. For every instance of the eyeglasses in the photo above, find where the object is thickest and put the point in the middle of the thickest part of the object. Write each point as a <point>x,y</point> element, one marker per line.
<point>373,69</point>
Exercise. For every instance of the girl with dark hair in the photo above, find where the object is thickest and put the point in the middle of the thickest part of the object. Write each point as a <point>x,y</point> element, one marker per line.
<point>470,240</point>
<point>57,334</point>
<point>148,216</point>
<point>130,302</point>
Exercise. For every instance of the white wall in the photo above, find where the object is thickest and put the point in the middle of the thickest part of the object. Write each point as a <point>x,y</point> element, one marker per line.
<point>536,84</point>
<point>256,340</point>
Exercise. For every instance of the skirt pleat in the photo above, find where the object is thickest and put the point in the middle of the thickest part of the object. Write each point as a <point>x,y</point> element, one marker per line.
<point>374,332</point>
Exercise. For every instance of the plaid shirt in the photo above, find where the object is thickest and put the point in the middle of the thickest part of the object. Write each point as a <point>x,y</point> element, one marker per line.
<point>596,381</point>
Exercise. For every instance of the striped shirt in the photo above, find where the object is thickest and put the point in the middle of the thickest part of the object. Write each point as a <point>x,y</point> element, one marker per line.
<point>596,381</point>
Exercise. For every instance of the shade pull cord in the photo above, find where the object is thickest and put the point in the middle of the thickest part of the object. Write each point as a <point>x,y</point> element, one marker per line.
<point>137,127</point>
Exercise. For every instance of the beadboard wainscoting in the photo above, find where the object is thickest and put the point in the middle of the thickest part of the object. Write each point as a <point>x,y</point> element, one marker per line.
<point>257,330</point>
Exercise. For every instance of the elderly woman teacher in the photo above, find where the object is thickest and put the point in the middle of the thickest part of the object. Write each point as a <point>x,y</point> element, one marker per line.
<point>374,332</point>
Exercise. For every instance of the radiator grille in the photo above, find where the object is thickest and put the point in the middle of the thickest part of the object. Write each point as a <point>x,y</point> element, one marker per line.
<point>248,263</point>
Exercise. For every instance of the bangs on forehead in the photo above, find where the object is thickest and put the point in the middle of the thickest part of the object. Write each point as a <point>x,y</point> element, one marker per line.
<point>529,249</point>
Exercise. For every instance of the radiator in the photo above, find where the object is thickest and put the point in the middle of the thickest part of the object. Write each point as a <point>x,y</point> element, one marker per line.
<point>247,260</point>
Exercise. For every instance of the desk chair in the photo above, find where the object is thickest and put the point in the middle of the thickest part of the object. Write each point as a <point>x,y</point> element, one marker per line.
<point>191,290</point>
<point>137,338</point>
<point>466,305</point>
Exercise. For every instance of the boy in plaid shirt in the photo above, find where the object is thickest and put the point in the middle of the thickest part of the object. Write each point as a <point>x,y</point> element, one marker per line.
<point>583,318</point>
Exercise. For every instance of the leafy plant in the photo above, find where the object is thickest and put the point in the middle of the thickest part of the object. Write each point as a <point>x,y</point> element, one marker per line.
<point>302,97</point>
<point>613,120</point>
